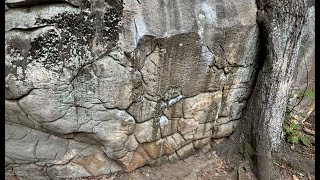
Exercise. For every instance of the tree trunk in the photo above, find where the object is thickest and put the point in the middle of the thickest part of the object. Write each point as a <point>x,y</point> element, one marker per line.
<point>281,23</point>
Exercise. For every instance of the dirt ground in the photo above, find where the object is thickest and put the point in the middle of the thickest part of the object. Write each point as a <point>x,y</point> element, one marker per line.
<point>209,166</point>
<point>308,130</point>
<point>200,166</point>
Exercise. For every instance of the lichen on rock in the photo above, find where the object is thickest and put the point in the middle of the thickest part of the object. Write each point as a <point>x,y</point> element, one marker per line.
<point>104,86</point>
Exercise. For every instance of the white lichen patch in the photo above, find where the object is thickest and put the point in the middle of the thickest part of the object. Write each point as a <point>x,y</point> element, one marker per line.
<point>201,16</point>
<point>20,72</point>
<point>120,114</point>
<point>39,75</point>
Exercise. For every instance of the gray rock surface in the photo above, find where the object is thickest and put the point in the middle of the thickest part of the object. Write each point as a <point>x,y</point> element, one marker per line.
<point>305,76</point>
<point>94,87</point>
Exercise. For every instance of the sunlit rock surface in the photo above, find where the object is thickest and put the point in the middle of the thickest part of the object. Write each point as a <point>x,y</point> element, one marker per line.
<point>95,87</point>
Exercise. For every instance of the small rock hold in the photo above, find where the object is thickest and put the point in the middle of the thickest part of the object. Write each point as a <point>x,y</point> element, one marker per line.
<point>226,70</point>
<point>163,120</point>
<point>127,122</point>
<point>219,140</point>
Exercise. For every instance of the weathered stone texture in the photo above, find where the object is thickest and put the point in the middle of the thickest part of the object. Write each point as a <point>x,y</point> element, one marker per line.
<point>304,79</point>
<point>94,87</point>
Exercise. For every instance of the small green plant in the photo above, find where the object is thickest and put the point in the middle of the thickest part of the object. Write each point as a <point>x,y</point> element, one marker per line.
<point>301,94</point>
<point>310,94</point>
<point>293,133</point>
<point>291,129</point>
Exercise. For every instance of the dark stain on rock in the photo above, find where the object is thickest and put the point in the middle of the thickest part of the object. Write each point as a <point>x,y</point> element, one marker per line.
<point>144,48</point>
<point>45,50</point>
<point>180,63</point>
<point>80,30</point>
<point>18,48</point>
<point>118,4</point>
<point>112,19</point>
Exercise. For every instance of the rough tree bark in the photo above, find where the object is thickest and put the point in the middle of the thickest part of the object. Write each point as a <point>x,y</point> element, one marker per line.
<point>281,23</point>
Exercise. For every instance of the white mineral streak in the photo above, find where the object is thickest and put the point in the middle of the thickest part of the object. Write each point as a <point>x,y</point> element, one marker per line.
<point>173,101</point>
<point>209,13</point>
<point>139,28</point>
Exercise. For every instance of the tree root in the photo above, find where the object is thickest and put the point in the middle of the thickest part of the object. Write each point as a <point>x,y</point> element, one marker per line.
<point>230,147</point>
<point>242,169</point>
<point>262,163</point>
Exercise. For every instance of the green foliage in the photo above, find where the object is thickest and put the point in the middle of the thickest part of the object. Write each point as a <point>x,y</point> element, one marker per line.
<point>310,94</point>
<point>293,139</point>
<point>291,129</point>
<point>293,133</point>
<point>305,141</point>
<point>301,94</point>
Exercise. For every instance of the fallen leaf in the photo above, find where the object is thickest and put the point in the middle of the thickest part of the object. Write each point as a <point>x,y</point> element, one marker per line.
<point>309,131</point>
<point>295,177</point>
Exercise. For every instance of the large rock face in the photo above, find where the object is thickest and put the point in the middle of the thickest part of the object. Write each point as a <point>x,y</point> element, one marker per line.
<point>302,102</point>
<point>95,87</point>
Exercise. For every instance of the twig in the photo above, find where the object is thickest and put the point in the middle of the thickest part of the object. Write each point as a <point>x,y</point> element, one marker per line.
<point>304,89</point>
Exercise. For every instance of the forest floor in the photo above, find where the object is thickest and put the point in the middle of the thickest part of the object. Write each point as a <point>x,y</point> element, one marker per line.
<point>201,166</point>
<point>308,131</point>
<point>209,166</point>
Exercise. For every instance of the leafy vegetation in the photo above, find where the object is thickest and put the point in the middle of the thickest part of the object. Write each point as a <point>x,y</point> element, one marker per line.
<point>310,94</point>
<point>293,132</point>
<point>292,129</point>
<point>301,94</point>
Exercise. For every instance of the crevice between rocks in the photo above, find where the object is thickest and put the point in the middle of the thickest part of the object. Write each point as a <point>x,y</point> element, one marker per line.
<point>30,3</point>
